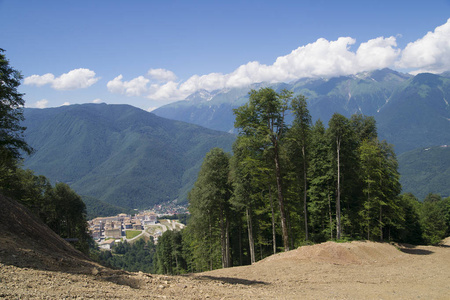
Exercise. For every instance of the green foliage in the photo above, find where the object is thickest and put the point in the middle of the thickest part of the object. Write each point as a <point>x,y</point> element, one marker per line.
<point>67,215</point>
<point>139,256</point>
<point>59,206</point>
<point>11,112</point>
<point>321,185</point>
<point>262,123</point>
<point>434,220</point>
<point>210,207</point>
<point>169,253</point>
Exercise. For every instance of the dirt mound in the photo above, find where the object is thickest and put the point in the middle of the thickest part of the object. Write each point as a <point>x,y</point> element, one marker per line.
<point>356,252</point>
<point>25,241</point>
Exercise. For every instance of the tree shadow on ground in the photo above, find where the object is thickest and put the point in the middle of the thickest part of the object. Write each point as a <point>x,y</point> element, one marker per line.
<point>411,249</point>
<point>232,280</point>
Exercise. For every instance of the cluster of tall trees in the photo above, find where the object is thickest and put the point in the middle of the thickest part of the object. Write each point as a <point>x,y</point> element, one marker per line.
<point>290,182</point>
<point>58,206</point>
<point>133,257</point>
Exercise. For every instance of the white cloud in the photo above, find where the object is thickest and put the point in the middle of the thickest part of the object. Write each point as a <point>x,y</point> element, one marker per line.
<point>39,80</point>
<point>134,87</point>
<point>41,104</point>
<point>378,53</point>
<point>167,91</point>
<point>430,53</point>
<point>75,79</point>
<point>65,103</point>
<point>162,75</point>
<point>152,108</point>
<point>97,100</point>
<point>321,58</point>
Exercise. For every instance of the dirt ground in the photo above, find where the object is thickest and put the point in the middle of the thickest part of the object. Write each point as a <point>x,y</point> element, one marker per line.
<point>36,264</point>
<point>357,270</point>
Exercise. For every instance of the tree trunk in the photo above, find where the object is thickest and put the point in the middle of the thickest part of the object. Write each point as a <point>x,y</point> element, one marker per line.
<point>338,199</point>
<point>274,237</point>
<point>284,227</point>
<point>241,260</point>
<point>305,193</point>
<point>222,239</point>
<point>381,222</point>
<point>227,242</point>
<point>251,243</point>
<point>210,245</point>
<point>330,215</point>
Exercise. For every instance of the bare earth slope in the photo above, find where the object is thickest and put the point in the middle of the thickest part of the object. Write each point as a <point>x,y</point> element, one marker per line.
<point>34,264</point>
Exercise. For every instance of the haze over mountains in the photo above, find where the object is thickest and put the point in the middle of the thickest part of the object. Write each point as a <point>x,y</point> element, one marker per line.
<point>132,158</point>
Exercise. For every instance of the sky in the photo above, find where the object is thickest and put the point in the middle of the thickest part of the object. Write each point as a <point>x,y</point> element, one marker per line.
<point>151,53</point>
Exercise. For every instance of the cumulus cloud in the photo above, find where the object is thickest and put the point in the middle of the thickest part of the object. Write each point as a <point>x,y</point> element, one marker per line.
<point>377,53</point>
<point>97,100</point>
<point>167,91</point>
<point>430,53</point>
<point>65,103</point>
<point>38,80</point>
<point>75,79</point>
<point>134,87</point>
<point>41,104</point>
<point>321,58</point>
<point>162,75</point>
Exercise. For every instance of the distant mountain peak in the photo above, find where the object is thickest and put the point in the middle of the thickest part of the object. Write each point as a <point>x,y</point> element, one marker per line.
<point>201,96</point>
<point>382,75</point>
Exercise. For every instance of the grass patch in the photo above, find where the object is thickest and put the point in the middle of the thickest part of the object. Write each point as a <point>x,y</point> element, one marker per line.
<point>132,233</point>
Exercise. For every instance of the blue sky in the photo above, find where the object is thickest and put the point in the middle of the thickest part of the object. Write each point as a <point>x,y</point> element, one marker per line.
<point>150,53</point>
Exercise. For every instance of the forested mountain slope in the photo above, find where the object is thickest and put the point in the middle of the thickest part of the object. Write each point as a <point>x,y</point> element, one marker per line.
<point>426,170</point>
<point>418,114</point>
<point>118,153</point>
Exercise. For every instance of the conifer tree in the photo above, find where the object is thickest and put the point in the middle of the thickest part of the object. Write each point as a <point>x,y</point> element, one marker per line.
<point>263,117</point>
<point>210,204</point>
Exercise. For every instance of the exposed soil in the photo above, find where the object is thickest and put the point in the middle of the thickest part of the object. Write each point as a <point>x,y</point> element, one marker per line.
<point>33,266</point>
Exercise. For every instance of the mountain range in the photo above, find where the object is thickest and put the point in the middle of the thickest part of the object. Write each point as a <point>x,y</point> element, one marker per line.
<point>411,111</point>
<point>128,157</point>
<point>118,153</point>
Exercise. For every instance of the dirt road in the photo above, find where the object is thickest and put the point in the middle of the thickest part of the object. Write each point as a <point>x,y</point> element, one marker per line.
<point>358,270</point>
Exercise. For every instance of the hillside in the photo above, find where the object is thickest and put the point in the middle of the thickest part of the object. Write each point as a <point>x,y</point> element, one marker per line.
<point>411,112</point>
<point>418,114</point>
<point>426,165</point>
<point>37,264</point>
<point>27,242</point>
<point>118,153</point>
